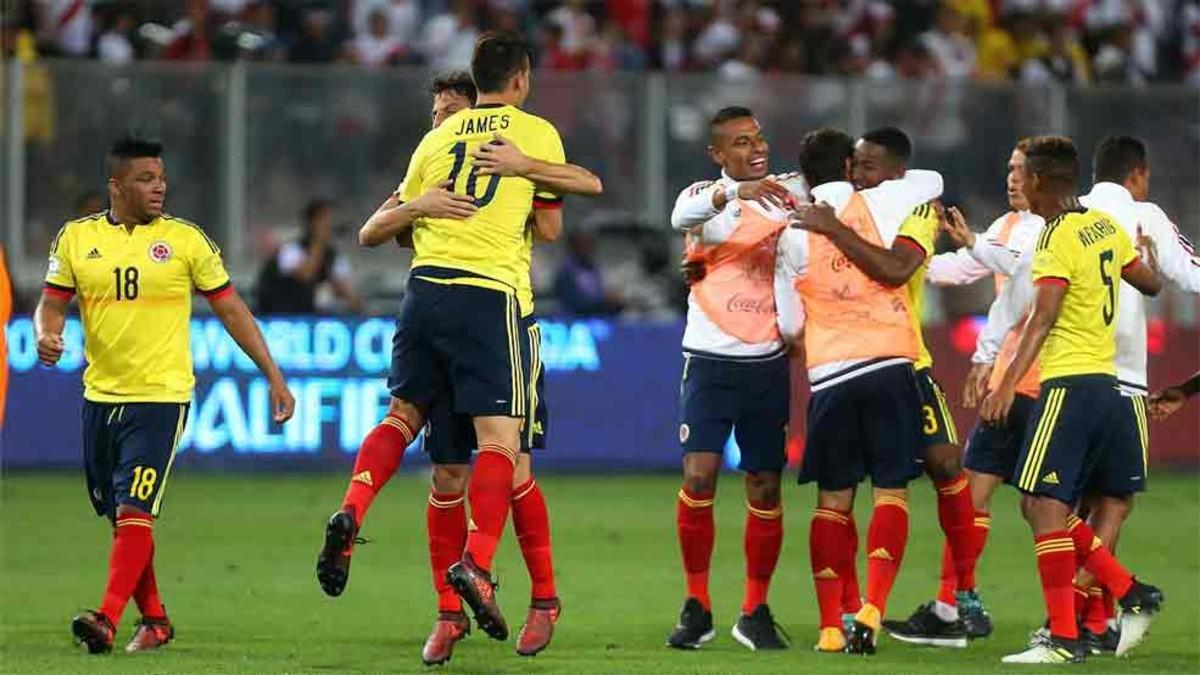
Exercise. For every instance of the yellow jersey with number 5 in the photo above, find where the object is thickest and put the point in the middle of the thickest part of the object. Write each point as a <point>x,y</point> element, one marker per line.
<point>492,243</point>
<point>135,301</point>
<point>1085,250</point>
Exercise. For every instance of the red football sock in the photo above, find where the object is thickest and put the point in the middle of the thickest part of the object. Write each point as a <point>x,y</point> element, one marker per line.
<point>828,550</point>
<point>982,527</point>
<point>956,514</point>
<point>948,577</point>
<point>763,539</point>
<point>532,524</point>
<point>1056,567</point>
<point>694,523</point>
<point>146,593</point>
<point>490,493</point>
<point>377,460</point>
<point>133,544</point>
<point>1110,606</point>
<point>1095,618</point>
<point>446,527</point>
<point>848,569</point>
<point>1094,556</point>
<point>1080,595</point>
<point>886,540</point>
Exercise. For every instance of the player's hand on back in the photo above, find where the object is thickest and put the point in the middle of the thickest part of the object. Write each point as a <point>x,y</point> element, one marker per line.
<point>767,192</point>
<point>1165,403</point>
<point>440,202</point>
<point>956,227</point>
<point>819,218</point>
<point>283,404</point>
<point>50,347</point>
<point>500,157</point>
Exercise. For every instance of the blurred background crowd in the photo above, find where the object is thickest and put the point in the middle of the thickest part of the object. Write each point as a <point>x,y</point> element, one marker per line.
<point>287,122</point>
<point>1079,41</point>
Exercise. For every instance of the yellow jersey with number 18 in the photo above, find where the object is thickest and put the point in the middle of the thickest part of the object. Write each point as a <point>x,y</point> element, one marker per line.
<point>1086,251</point>
<point>492,243</point>
<point>135,301</point>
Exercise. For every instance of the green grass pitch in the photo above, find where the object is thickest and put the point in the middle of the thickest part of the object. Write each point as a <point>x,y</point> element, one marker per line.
<point>236,554</point>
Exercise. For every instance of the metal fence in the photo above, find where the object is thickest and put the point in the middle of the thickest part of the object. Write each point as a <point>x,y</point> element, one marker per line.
<point>249,144</point>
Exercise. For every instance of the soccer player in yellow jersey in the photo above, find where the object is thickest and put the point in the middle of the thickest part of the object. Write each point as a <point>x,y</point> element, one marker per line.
<point>1081,258</point>
<point>134,269</point>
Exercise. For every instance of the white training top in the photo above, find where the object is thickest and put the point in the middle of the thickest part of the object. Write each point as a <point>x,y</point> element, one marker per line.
<point>988,256</point>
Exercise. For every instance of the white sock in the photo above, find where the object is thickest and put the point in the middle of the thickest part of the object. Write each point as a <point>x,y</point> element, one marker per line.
<point>947,613</point>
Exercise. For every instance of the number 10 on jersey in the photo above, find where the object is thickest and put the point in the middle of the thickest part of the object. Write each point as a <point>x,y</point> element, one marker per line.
<point>460,157</point>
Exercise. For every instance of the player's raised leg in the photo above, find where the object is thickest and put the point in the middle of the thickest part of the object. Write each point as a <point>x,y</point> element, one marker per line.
<point>531,522</point>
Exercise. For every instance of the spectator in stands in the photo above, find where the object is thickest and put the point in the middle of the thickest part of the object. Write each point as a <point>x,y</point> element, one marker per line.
<point>578,28</point>
<point>1065,62</point>
<point>948,42</point>
<point>64,27</point>
<point>672,49</point>
<point>554,55</point>
<point>378,46</point>
<point>403,19</point>
<point>316,43</point>
<point>260,41</point>
<point>191,41</point>
<point>720,38</point>
<point>114,46</point>
<point>450,37</point>
<point>289,282</point>
<point>579,286</point>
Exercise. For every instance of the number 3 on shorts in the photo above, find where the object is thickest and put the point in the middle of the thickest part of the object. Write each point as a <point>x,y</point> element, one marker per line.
<point>143,482</point>
<point>931,423</point>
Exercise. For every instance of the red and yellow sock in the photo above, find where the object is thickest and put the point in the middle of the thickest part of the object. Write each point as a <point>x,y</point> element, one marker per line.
<point>490,495</point>
<point>694,524</point>
<point>982,526</point>
<point>132,547</point>
<point>146,593</point>
<point>956,514</point>
<point>446,528</point>
<point>377,460</point>
<point>1056,567</point>
<point>761,544</point>
<point>1095,617</point>
<point>886,539</point>
<point>531,521</point>
<point>1094,556</point>
<point>848,568</point>
<point>828,549</point>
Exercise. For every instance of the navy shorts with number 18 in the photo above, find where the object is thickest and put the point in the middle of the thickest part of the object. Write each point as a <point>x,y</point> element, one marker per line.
<point>128,449</point>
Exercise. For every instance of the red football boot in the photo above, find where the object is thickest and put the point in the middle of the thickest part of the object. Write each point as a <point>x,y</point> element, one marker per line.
<point>449,629</point>
<point>151,634</point>
<point>95,630</point>
<point>539,626</point>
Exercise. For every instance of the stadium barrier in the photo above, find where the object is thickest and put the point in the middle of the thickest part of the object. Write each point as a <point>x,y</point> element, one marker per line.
<point>612,388</point>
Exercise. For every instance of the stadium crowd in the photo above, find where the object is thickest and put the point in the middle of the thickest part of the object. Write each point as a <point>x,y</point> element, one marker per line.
<point>1079,41</point>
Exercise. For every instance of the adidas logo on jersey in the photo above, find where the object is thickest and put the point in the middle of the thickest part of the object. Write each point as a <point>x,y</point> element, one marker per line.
<point>880,554</point>
<point>364,478</point>
<point>1050,478</point>
<point>826,573</point>
<point>93,254</point>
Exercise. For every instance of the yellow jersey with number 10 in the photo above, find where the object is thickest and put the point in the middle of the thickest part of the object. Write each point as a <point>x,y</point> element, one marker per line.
<point>135,301</point>
<point>1085,250</point>
<point>492,243</point>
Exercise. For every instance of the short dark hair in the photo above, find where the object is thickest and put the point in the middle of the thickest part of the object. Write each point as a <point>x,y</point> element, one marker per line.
<point>457,81</point>
<point>127,148</point>
<point>1023,144</point>
<point>1054,159</point>
<point>499,55</point>
<point>823,155</point>
<point>732,112</point>
<point>895,141</point>
<point>1117,157</point>
<point>313,207</point>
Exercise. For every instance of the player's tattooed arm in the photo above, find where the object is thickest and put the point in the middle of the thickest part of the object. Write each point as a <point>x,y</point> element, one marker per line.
<point>889,266</point>
<point>240,323</point>
<point>394,217</point>
<point>502,157</point>
<point>49,319</point>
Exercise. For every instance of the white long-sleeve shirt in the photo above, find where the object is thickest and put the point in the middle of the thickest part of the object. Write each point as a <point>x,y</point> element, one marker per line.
<point>889,204</point>
<point>1176,262</point>
<point>694,213</point>
<point>988,256</point>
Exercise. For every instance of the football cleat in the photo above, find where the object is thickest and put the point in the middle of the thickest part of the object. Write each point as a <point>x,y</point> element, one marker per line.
<point>151,634</point>
<point>333,562</point>
<point>695,627</point>
<point>1048,649</point>
<point>477,589</point>
<point>925,627</point>
<point>1138,607</point>
<point>94,630</point>
<point>758,630</point>
<point>974,615</point>
<point>447,631</point>
<point>865,631</point>
<point>831,640</point>
<point>535,635</point>
<point>1102,643</point>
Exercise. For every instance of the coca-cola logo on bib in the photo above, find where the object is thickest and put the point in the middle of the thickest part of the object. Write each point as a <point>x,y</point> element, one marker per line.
<point>746,304</point>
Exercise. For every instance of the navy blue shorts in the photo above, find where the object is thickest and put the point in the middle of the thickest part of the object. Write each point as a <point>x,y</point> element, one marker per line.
<point>1081,424</point>
<point>450,436</point>
<point>937,424</point>
<point>1123,468</point>
<point>748,397</point>
<point>867,426</point>
<point>128,449</point>
<point>993,448</point>
<point>462,339</point>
